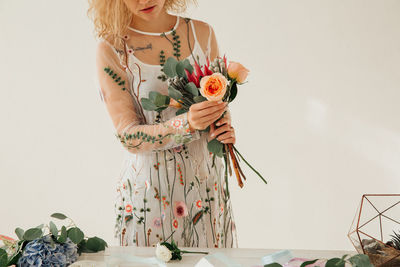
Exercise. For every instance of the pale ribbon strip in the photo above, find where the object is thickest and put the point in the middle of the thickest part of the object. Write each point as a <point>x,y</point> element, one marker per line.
<point>119,259</point>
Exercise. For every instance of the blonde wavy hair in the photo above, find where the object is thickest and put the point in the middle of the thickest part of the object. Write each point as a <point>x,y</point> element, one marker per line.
<point>112,17</point>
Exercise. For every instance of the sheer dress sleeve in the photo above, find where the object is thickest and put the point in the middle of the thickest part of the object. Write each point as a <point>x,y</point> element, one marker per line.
<point>126,113</point>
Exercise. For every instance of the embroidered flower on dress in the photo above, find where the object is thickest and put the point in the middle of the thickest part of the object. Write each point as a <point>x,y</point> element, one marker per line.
<point>157,222</point>
<point>198,203</point>
<point>163,216</point>
<point>175,223</point>
<point>177,123</point>
<point>128,208</point>
<point>178,149</point>
<point>180,209</point>
<point>147,185</point>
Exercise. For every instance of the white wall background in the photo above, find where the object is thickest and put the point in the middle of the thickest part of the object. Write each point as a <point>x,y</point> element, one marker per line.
<point>319,117</point>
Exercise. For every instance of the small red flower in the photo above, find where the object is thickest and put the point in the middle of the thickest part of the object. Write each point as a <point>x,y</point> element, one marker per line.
<point>175,224</point>
<point>128,208</point>
<point>198,203</point>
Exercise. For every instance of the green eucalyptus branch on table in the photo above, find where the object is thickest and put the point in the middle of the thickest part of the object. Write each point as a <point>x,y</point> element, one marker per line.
<point>48,244</point>
<point>358,260</point>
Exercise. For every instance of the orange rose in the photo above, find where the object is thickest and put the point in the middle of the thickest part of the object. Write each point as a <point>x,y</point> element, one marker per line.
<point>213,87</point>
<point>237,71</point>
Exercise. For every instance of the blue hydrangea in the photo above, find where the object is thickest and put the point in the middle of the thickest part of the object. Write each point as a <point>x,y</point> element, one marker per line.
<point>45,252</point>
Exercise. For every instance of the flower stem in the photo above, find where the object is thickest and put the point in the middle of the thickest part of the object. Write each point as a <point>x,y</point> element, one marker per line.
<point>198,252</point>
<point>248,164</point>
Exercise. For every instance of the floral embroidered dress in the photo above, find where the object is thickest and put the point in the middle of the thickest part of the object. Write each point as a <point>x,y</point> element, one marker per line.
<point>169,187</point>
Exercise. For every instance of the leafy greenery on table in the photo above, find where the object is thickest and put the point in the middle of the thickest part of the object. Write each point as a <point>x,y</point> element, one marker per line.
<point>359,260</point>
<point>71,231</point>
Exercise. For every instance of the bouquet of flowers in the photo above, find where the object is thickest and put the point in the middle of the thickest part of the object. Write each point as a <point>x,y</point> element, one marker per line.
<point>46,245</point>
<point>188,84</point>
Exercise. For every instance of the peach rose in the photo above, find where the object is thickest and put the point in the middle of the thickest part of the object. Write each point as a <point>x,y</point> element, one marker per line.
<point>237,71</point>
<point>213,87</point>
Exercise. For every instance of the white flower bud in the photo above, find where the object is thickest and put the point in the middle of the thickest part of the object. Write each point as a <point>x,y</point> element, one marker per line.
<point>163,253</point>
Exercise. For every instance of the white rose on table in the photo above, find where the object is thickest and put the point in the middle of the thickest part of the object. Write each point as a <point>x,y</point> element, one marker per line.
<point>163,253</point>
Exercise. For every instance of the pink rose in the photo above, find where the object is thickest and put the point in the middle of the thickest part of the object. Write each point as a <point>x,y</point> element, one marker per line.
<point>237,71</point>
<point>180,209</point>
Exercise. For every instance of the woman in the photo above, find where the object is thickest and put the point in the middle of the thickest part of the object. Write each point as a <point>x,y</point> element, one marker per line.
<point>169,188</point>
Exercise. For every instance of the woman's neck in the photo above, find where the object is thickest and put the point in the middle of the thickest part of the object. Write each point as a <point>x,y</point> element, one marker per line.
<point>164,22</point>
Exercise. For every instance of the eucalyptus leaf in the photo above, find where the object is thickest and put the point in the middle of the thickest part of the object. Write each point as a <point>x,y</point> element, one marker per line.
<point>360,260</point>
<point>345,256</point>
<point>187,65</point>
<point>215,146</point>
<point>76,235</point>
<point>180,69</point>
<point>199,98</point>
<point>304,264</point>
<point>53,229</point>
<point>32,234</point>
<point>169,67</point>
<point>161,100</point>
<point>147,104</point>
<point>40,226</point>
<point>273,265</point>
<point>63,236</point>
<point>335,262</point>
<point>96,244</point>
<point>20,233</point>
<point>59,216</point>
<point>3,257</point>
<point>82,248</point>
<point>233,92</point>
<point>153,95</point>
<point>175,94</point>
<point>192,88</point>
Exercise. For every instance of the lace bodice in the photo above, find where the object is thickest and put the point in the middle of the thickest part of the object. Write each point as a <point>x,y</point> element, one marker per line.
<point>125,80</point>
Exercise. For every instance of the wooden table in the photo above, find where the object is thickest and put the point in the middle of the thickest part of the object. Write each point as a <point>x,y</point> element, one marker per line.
<point>243,256</point>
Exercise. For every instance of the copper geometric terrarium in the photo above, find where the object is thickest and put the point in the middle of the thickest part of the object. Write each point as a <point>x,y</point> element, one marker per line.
<point>375,228</point>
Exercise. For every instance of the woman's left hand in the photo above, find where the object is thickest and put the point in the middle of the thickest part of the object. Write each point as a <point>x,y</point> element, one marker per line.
<point>225,133</point>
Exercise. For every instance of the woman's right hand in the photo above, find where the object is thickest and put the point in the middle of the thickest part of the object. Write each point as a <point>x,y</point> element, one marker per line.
<point>201,115</point>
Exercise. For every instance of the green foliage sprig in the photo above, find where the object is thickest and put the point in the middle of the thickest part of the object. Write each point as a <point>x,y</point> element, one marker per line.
<point>71,231</point>
<point>359,260</point>
<point>179,88</point>
<point>115,77</point>
<point>142,136</point>
<point>396,240</point>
